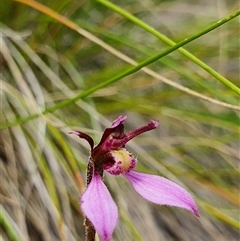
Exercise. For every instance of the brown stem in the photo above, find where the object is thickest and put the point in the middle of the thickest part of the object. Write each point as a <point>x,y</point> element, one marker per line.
<point>89,228</point>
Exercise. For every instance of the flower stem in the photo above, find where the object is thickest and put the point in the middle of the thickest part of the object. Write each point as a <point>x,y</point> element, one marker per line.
<point>89,228</point>
<point>91,169</point>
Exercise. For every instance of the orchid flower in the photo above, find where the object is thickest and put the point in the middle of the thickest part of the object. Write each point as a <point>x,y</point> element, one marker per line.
<point>110,155</point>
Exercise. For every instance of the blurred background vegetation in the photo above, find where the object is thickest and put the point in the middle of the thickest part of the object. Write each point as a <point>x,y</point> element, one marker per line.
<point>53,51</point>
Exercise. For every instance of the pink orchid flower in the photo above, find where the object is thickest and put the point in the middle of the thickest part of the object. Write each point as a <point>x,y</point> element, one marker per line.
<point>110,155</point>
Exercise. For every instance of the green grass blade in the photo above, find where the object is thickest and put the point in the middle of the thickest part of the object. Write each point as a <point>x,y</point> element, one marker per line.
<point>7,226</point>
<point>123,74</point>
<point>178,45</point>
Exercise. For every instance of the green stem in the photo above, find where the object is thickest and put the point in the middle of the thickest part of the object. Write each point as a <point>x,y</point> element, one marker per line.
<point>129,71</point>
<point>175,46</point>
<point>8,227</point>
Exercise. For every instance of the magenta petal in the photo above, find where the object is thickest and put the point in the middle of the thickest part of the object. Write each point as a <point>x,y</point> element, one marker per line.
<point>119,121</point>
<point>116,131</point>
<point>84,136</point>
<point>161,191</point>
<point>98,205</point>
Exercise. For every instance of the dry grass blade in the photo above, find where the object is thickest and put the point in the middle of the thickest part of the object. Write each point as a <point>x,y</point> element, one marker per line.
<point>117,53</point>
<point>196,144</point>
